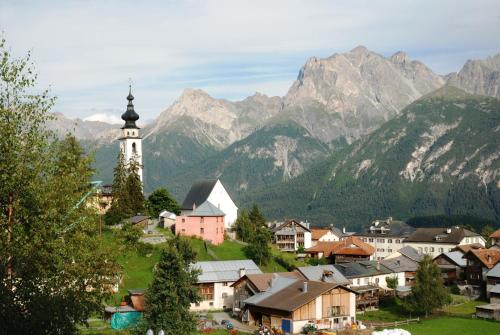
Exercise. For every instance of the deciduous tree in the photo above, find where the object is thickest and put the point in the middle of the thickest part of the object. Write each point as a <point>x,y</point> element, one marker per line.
<point>160,200</point>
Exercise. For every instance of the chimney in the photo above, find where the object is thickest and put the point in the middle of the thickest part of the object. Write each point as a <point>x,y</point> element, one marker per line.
<point>304,287</point>
<point>194,206</point>
<point>377,266</point>
<point>243,272</point>
<point>448,230</point>
<point>343,230</point>
<point>489,259</point>
<point>398,262</point>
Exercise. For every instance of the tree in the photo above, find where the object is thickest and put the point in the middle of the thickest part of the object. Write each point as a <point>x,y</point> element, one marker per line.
<point>117,212</point>
<point>172,291</point>
<point>53,271</point>
<point>258,249</point>
<point>243,226</point>
<point>134,199</point>
<point>256,217</point>
<point>160,200</point>
<point>392,282</point>
<point>429,291</point>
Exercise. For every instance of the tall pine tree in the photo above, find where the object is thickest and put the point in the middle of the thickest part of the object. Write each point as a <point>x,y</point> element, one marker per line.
<point>172,291</point>
<point>134,198</point>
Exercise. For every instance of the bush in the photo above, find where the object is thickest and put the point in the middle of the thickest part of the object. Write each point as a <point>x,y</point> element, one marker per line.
<point>454,290</point>
<point>130,234</point>
<point>309,328</point>
<point>317,261</point>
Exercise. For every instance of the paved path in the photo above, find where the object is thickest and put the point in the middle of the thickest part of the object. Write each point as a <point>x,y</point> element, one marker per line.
<point>219,316</point>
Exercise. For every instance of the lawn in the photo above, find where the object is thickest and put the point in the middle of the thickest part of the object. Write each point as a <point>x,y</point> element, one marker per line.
<point>453,326</point>
<point>385,314</point>
<point>463,306</point>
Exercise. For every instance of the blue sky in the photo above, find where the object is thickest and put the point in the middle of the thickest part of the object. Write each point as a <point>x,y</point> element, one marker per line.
<point>86,51</point>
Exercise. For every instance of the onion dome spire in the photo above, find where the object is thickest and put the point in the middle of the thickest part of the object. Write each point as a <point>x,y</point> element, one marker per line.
<point>130,116</point>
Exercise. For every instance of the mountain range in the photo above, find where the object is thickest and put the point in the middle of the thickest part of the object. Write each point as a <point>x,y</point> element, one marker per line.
<point>265,143</point>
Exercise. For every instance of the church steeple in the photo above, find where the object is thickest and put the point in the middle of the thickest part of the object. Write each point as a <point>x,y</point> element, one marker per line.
<point>130,116</point>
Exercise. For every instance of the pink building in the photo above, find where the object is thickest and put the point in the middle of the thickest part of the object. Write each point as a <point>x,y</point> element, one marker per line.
<point>205,222</point>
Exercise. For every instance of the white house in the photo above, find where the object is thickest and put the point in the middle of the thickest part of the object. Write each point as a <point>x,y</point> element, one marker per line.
<point>216,279</point>
<point>435,241</point>
<point>386,236</point>
<point>214,192</point>
<point>292,235</point>
<point>331,234</point>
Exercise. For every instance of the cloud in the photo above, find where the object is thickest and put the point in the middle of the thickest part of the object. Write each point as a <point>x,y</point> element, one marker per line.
<point>102,117</point>
<point>87,50</point>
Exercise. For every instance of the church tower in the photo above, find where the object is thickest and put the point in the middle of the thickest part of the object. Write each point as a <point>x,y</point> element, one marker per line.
<point>131,142</point>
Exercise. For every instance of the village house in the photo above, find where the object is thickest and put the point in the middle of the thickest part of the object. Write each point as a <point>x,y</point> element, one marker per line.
<point>435,241</point>
<point>331,234</point>
<point>493,284</point>
<point>214,192</point>
<point>369,280</point>
<point>386,236</point>
<point>166,219</point>
<point>479,263</point>
<point>251,284</point>
<point>349,249</point>
<point>409,258</point>
<point>291,235</point>
<point>205,222</point>
<point>292,304</point>
<point>452,265</point>
<point>215,280</point>
<point>325,273</point>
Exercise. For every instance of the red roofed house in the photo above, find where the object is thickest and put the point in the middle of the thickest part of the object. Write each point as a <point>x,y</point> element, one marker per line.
<point>479,262</point>
<point>348,250</point>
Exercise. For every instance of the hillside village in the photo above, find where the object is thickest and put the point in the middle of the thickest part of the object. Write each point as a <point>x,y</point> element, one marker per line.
<point>328,278</point>
<point>270,168</point>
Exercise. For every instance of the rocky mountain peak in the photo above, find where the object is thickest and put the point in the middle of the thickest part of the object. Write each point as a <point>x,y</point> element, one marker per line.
<point>360,49</point>
<point>400,57</point>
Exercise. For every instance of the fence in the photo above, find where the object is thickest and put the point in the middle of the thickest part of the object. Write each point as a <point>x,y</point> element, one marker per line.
<point>391,324</point>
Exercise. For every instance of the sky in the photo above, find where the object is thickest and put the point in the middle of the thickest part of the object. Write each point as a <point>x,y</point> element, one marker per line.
<point>87,52</point>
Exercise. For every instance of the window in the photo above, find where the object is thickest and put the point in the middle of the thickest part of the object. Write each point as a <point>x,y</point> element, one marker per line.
<point>380,240</point>
<point>425,249</point>
<point>183,220</point>
<point>224,284</point>
<point>370,240</point>
<point>216,230</point>
<point>467,240</point>
<point>441,250</point>
<point>202,231</point>
<point>358,281</point>
<point>211,303</point>
<point>419,250</point>
<point>183,230</point>
<point>197,304</point>
<point>431,249</point>
<point>377,280</point>
<point>398,241</point>
<point>134,149</point>
<point>389,240</point>
<point>389,250</point>
<point>128,133</point>
<point>202,219</point>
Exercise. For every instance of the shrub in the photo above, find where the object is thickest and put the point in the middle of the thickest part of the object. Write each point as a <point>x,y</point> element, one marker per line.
<point>144,249</point>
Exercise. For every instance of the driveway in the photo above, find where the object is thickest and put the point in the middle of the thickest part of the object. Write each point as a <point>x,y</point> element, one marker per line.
<point>219,316</point>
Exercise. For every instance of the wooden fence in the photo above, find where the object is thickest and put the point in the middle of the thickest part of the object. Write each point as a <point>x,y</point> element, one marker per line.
<point>391,324</point>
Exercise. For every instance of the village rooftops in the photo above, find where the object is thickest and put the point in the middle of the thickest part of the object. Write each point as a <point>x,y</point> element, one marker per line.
<point>317,233</point>
<point>225,271</point>
<point>488,257</point>
<point>206,209</point>
<point>464,248</point>
<point>494,272</point>
<point>410,253</point>
<point>350,246</point>
<point>440,235</point>
<point>387,228</point>
<point>262,281</point>
<point>400,264</point>
<point>326,273</point>
<point>362,269</point>
<point>456,257</point>
<point>198,193</point>
<point>290,225</point>
<point>293,296</point>
<point>495,234</point>
<point>138,218</point>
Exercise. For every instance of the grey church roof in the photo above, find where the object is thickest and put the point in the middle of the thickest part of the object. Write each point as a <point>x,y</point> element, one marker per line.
<point>317,273</point>
<point>198,194</point>
<point>207,209</point>
<point>130,116</point>
<point>224,271</point>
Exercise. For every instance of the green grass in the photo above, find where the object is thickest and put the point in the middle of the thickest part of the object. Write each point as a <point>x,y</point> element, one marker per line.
<point>468,307</point>
<point>229,250</point>
<point>385,314</point>
<point>453,326</point>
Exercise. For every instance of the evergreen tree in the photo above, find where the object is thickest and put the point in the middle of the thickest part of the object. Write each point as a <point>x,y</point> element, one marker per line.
<point>160,200</point>
<point>173,289</point>
<point>134,199</point>
<point>243,227</point>
<point>256,217</point>
<point>54,273</point>
<point>429,292</point>
<point>258,249</point>
<point>118,210</point>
